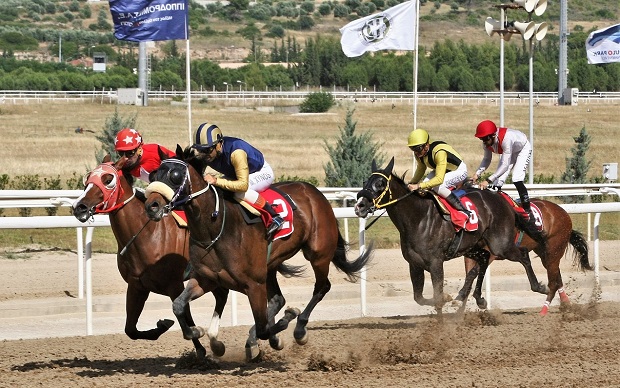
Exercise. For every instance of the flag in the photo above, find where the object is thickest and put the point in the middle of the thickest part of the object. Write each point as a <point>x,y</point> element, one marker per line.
<point>603,46</point>
<point>148,20</point>
<point>392,29</point>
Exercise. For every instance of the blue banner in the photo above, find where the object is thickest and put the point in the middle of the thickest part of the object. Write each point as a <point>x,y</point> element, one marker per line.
<point>148,20</point>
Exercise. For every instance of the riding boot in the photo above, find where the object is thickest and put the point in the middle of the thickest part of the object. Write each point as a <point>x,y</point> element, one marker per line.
<point>457,204</point>
<point>276,220</point>
<point>525,200</point>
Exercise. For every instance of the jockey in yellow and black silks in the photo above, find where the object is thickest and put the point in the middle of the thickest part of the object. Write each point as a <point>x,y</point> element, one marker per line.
<point>448,168</point>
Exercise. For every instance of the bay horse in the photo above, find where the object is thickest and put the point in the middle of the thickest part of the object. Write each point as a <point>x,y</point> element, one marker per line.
<point>225,251</point>
<point>426,236</point>
<point>559,233</point>
<point>151,257</point>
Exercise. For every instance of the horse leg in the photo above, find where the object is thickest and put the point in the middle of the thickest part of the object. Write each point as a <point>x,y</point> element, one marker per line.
<point>554,278</point>
<point>134,304</point>
<point>484,260</point>
<point>417,281</point>
<point>437,278</point>
<point>192,291</point>
<point>274,305</point>
<point>471,272</point>
<point>535,285</point>
<point>217,347</point>
<point>322,285</point>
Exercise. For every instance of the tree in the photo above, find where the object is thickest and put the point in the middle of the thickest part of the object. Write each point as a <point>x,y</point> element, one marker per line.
<point>113,125</point>
<point>577,166</point>
<point>351,157</point>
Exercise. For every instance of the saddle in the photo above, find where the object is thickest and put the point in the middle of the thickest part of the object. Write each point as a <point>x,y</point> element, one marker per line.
<point>281,202</point>
<point>449,213</point>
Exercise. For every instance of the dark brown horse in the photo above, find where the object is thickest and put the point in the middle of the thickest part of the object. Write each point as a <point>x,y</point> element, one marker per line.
<point>559,232</point>
<point>152,257</point>
<point>426,236</point>
<point>225,251</point>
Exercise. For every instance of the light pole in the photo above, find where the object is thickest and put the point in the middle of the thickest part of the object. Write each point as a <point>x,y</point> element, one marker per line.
<point>529,31</point>
<point>243,94</point>
<point>226,83</point>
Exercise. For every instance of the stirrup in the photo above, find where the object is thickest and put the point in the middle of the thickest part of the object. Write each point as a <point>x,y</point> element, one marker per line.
<point>276,224</point>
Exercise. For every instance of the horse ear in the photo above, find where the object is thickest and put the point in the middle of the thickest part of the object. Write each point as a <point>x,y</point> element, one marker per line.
<point>179,151</point>
<point>390,165</point>
<point>162,154</point>
<point>107,158</point>
<point>373,167</point>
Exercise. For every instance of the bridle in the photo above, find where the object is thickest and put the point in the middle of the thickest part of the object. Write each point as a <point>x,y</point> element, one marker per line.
<point>377,199</point>
<point>112,192</point>
<point>176,199</point>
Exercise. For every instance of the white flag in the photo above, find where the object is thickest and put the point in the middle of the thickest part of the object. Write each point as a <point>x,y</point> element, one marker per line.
<point>603,46</point>
<point>392,29</point>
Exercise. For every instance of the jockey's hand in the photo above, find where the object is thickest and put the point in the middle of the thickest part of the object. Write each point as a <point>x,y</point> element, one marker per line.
<point>475,178</point>
<point>210,179</point>
<point>483,185</point>
<point>413,186</point>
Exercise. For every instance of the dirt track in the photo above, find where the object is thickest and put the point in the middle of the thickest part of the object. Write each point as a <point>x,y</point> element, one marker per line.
<point>574,346</point>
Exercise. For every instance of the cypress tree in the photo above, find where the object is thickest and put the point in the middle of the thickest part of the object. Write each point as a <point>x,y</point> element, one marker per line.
<point>351,157</point>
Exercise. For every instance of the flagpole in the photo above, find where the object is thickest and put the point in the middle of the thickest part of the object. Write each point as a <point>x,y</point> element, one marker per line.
<point>415,79</point>
<point>188,85</point>
<point>415,67</point>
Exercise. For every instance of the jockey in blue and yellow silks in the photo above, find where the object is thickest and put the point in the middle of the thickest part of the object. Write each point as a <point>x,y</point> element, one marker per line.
<point>448,167</point>
<point>244,169</point>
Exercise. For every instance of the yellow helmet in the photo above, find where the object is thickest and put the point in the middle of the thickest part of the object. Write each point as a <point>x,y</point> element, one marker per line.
<point>418,137</point>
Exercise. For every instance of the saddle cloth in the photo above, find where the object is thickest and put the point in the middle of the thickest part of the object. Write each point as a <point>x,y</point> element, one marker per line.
<point>538,219</point>
<point>281,206</point>
<point>458,218</point>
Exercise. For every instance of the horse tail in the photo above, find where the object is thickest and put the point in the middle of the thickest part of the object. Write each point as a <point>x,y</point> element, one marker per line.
<point>580,250</point>
<point>531,230</point>
<point>350,268</point>
<point>290,271</point>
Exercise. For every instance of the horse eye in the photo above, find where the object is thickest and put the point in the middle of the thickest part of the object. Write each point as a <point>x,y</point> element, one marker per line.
<point>109,181</point>
<point>176,177</point>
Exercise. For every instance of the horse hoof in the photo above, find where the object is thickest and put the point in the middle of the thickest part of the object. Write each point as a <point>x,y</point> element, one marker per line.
<point>253,353</point>
<point>201,353</point>
<point>291,313</point>
<point>301,337</point>
<point>482,305</point>
<point>276,343</point>
<point>196,332</point>
<point>164,324</point>
<point>217,347</point>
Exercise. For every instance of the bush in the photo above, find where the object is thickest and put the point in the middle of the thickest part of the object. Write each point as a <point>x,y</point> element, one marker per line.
<point>318,102</point>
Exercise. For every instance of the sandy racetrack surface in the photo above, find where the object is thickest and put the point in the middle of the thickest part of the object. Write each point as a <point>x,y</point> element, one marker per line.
<point>574,346</point>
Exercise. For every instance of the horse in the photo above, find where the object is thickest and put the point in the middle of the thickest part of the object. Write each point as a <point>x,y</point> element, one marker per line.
<point>151,257</point>
<point>225,251</point>
<point>426,236</point>
<point>559,233</point>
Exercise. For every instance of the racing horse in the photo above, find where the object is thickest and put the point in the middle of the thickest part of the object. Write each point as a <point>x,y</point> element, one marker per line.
<point>426,237</point>
<point>226,251</point>
<point>151,257</point>
<point>559,233</point>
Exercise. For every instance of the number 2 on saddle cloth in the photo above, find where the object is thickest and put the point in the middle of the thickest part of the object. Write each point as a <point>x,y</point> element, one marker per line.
<point>282,206</point>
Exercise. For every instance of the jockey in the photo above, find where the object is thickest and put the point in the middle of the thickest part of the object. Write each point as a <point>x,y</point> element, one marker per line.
<point>515,151</point>
<point>142,159</point>
<point>244,169</point>
<point>448,167</point>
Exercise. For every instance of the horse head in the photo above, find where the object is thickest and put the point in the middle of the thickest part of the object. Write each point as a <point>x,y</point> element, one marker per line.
<point>171,184</point>
<point>105,190</point>
<point>373,194</point>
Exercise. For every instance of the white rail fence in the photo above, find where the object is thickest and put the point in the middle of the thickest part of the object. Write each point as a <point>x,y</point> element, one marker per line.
<point>297,95</point>
<point>51,198</point>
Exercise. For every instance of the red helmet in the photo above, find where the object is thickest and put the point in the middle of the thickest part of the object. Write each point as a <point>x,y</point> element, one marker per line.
<point>127,139</point>
<point>485,128</point>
